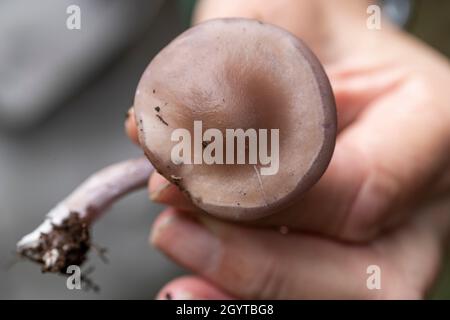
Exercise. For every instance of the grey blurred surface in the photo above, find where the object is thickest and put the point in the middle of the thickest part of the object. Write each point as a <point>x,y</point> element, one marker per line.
<point>40,166</point>
<point>42,61</point>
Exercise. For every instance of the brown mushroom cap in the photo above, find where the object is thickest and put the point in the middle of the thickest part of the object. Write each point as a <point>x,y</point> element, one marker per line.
<point>230,74</point>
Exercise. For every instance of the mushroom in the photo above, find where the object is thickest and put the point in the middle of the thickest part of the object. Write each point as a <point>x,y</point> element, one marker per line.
<point>238,73</point>
<point>63,238</point>
<point>224,74</point>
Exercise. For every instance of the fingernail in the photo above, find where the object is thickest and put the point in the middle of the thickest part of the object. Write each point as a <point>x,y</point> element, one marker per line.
<point>188,242</point>
<point>158,228</point>
<point>156,194</point>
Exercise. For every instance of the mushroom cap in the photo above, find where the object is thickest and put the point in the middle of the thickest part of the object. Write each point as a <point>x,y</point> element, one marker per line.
<point>238,73</point>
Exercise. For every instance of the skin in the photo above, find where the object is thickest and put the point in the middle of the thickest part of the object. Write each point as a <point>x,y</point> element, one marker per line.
<point>383,200</point>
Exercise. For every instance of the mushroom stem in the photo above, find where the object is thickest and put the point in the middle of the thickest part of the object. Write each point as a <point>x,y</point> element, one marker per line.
<point>83,206</point>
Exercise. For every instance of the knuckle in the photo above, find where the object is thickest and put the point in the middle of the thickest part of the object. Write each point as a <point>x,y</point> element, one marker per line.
<point>371,208</point>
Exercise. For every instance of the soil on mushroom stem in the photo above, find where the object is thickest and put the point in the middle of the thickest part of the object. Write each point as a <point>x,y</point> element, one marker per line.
<point>68,244</point>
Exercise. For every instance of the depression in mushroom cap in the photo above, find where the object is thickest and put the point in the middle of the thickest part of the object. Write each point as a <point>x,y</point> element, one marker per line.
<point>231,74</point>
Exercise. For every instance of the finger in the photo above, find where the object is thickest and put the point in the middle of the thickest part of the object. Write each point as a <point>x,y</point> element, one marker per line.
<point>354,91</point>
<point>260,264</point>
<point>426,235</point>
<point>380,169</point>
<point>130,126</point>
<point>311,212</point>
<point>397,139</point>
<point>164,192</point>
<point>191,288</point>
<point>206,9</point>
<point>296,17</point>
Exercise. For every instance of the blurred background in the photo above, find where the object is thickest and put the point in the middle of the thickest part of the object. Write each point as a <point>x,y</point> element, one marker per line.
<point>63,99</point>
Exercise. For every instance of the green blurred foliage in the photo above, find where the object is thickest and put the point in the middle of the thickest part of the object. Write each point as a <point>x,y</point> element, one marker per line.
<point>431,23</point>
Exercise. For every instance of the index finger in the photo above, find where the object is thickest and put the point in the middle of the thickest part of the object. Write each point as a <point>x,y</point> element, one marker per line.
<point>130,126</point>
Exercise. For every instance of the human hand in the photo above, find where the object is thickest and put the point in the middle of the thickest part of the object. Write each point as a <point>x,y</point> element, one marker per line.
<point>391,157</point>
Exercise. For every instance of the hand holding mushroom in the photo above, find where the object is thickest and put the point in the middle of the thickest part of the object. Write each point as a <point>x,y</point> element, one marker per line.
<point>380,202</point>
<point>246,230</point>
